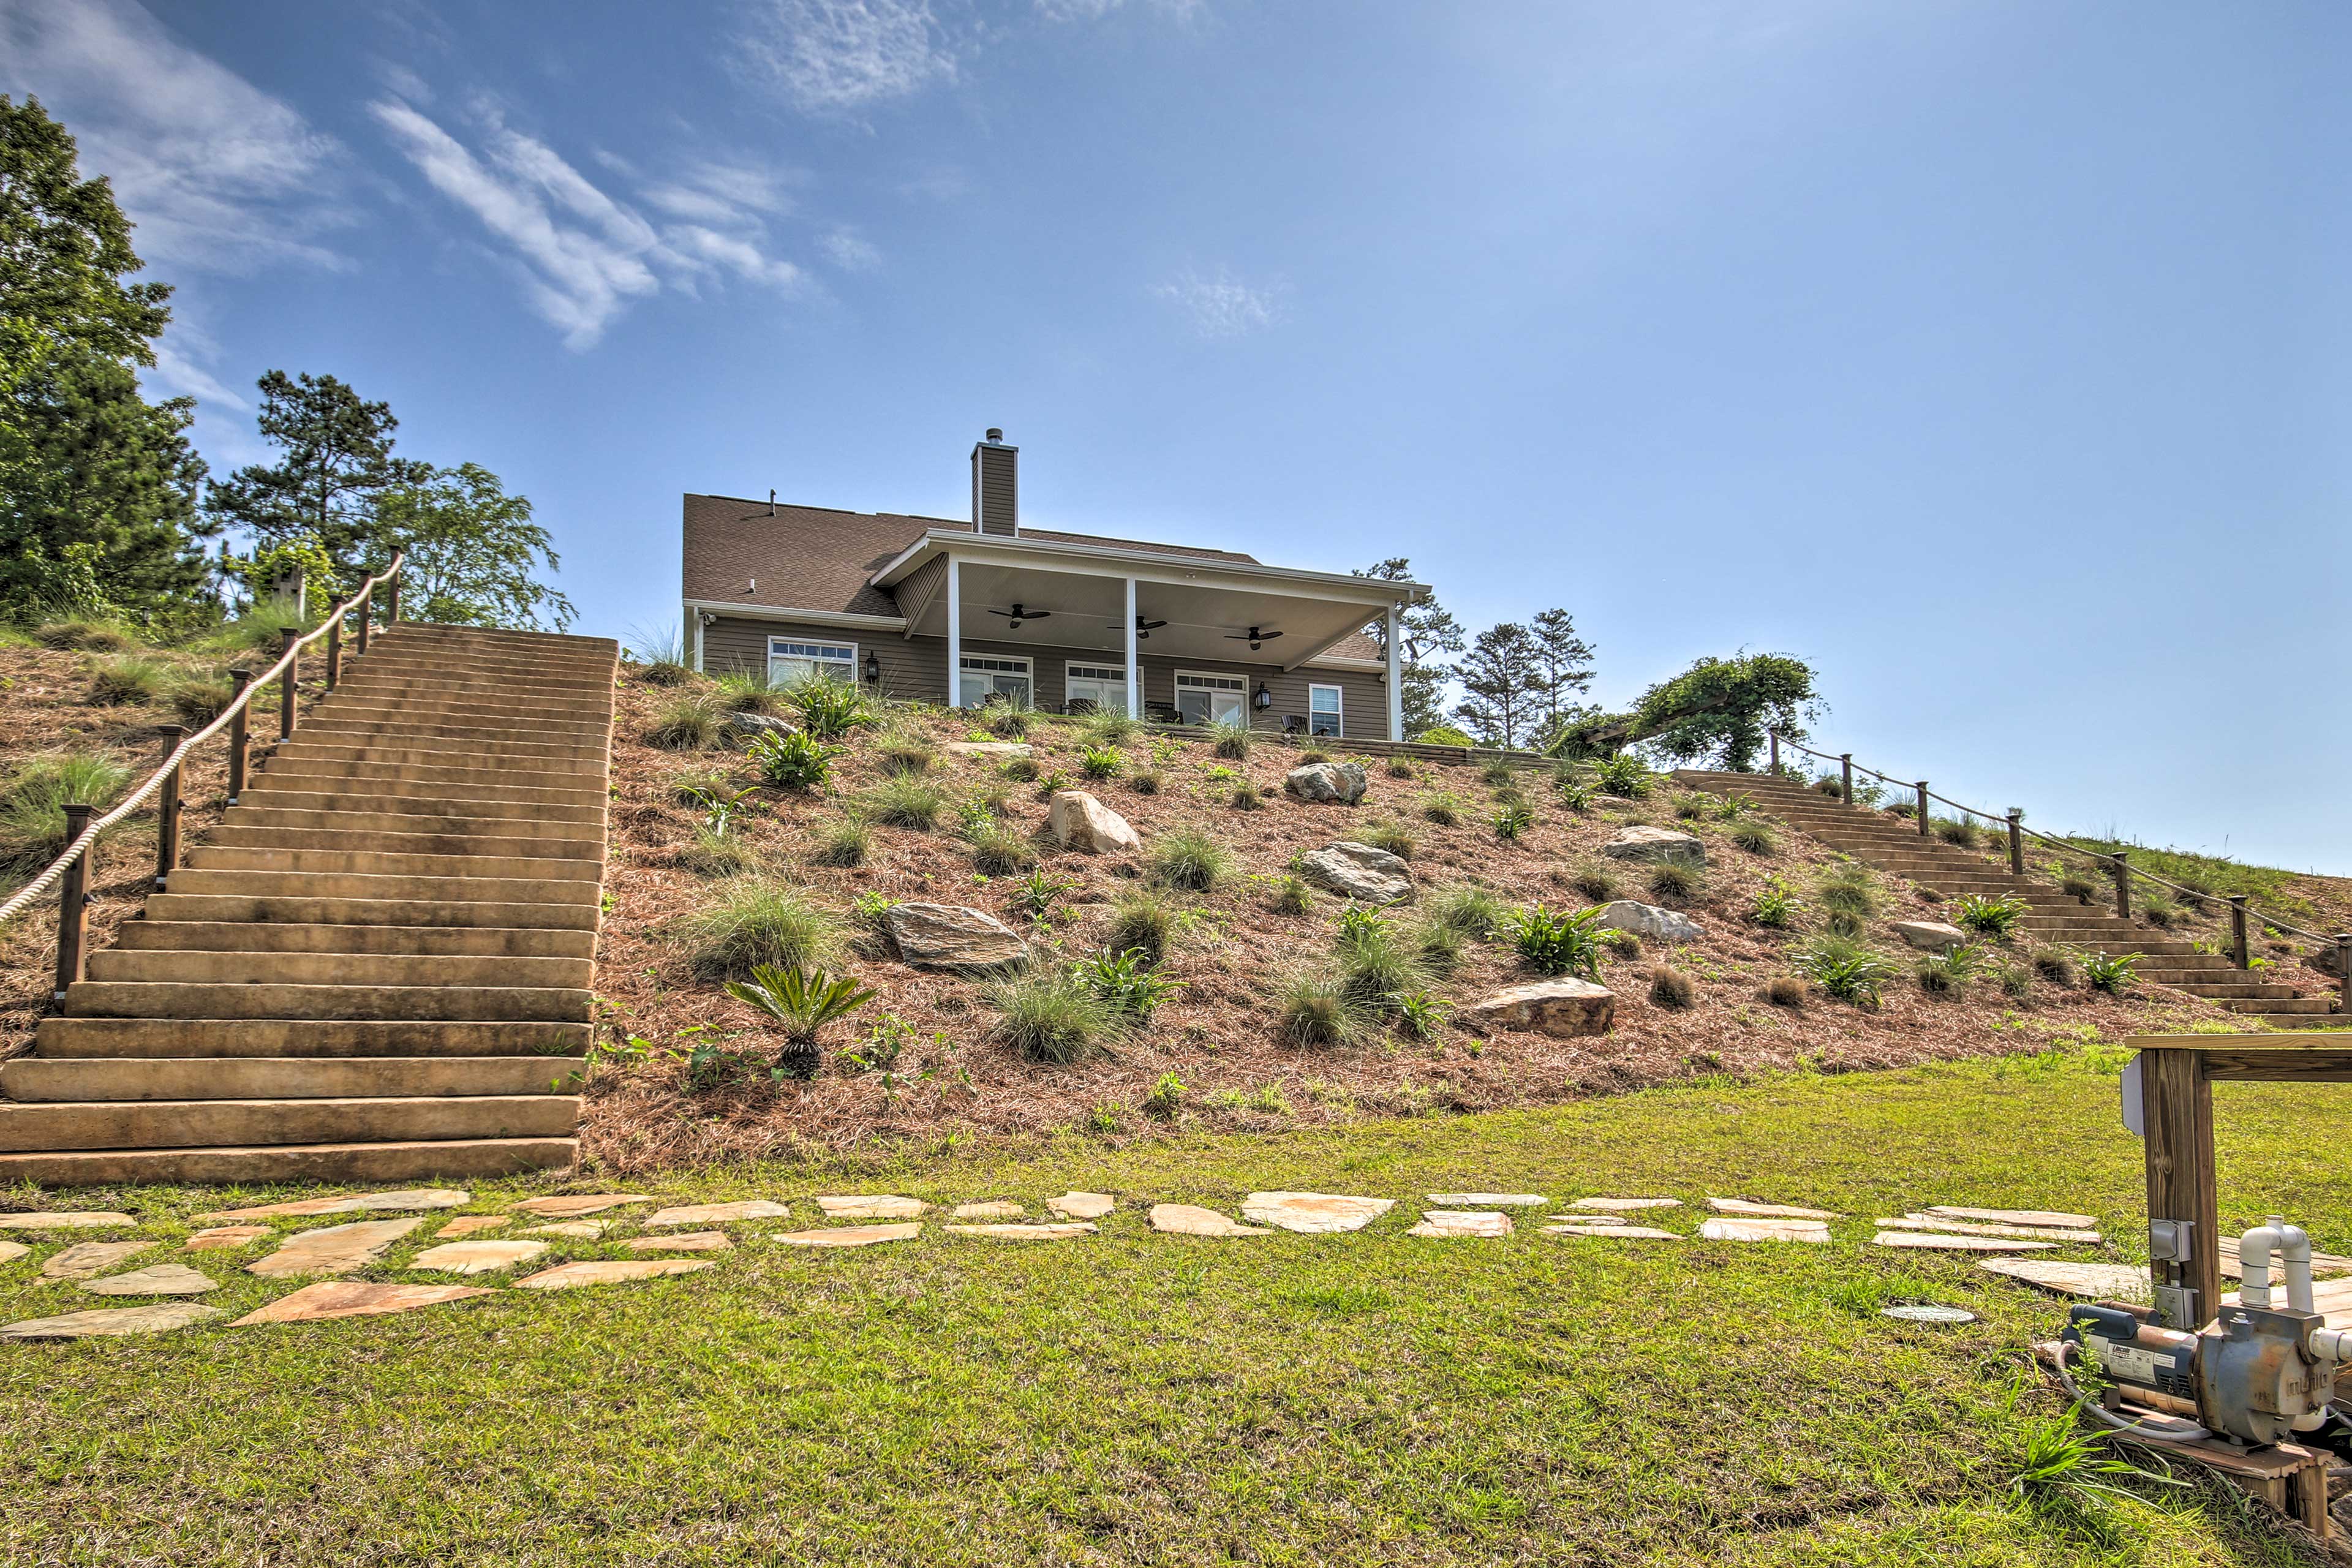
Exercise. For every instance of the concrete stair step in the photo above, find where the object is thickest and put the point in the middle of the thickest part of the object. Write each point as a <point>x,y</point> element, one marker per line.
<point>296,909</point>
<point>296,788</point>
<point>507,845</point>
<point>61,1036</point>
<point>396,1161</point>
<point>193,1123</point>
<point>379,888</point>
<point>458,728</point>
<point>388,863</point>
<point>246,817</point>
<point>326,742</point>
<point>176,999</point>
<point>66,1080</point>
<point>210,967</point>
<point>149,934</point>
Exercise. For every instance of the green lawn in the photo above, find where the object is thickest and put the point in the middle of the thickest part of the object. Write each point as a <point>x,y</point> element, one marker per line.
<point>1138,1398</point>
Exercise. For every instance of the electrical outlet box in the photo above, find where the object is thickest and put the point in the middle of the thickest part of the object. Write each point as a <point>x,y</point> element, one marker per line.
<point>2176,1308</point>
<point>2169,1240</point>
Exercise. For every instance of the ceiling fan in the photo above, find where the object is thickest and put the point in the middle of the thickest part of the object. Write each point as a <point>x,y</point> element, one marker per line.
<point>1143,628</point>
<point>1254,637</point>
<point>1019,613</point>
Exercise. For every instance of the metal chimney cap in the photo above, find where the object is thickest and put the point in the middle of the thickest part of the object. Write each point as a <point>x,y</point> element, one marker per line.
<point>994,435</point>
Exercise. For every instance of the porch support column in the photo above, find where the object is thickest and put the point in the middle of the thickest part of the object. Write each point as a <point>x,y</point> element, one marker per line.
<point>955,632</point>
<point>1396,675</point>
<point>1134,660</point>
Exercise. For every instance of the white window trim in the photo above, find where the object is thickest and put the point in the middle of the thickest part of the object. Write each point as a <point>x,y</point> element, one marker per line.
<point>991,660</point>
<point>855,652</point>
<point>1095,671</point>
<point>1339,707</point>
<point>1110,676</point>
<point>1222,684</point>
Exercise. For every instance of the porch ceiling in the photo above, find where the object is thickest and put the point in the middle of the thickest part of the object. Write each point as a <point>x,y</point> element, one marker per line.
<point>1085,612</point>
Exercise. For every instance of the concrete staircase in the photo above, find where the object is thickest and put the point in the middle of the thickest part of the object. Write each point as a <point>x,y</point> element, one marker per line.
<point>377,966</point>
<point>1895,845</point>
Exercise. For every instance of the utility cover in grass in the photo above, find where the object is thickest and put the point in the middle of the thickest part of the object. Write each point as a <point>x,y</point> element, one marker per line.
<point>88,1259</point>
<point>1082,1206</point>
<point>1615,1232</point>
<point>111,1322</point>
<point>848,1235</point>
<point>881,1206</point>
<point>89,1219</point>
<point>572,1206</point>
<point>1462,1223</point>
<point>2055,1218</point>
<point>468,1224</point>
<point>406,1200</point>
<point>1767,1211</point>
<point>333,1250</point>
<point>1184,1219</point>
<point>1626,1204</point>
<point>608,1271</point>
<point>224,1237</point>
<point>1766,1229</point>
<point>718,1214</point>
<point>1060,1230</point>
<point>1488,1200</point>
<point>157,1279</point>
<point>1933,1243</point>
<point>692,1241</point>
<point>476,1257</point>
<point>1315,1214</point>
<point>353,1299</point>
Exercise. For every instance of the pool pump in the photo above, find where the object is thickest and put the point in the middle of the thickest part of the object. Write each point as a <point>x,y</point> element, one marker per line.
<point>2257,1375</point>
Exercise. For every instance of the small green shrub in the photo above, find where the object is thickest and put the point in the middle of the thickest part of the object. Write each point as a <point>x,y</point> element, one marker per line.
<point>1442,807</point>
<point>794,759</point>
<point>1188,859</point>
<point>1473,910</point>
<point>198,699</point>
<point>1625,776</point>
<point>1785,991</point>
<point>1675,881</point>
<point>829,709</point>
<point>1231,738</point>
<point>998,850</point>
<point>905,800</point>
<point>1020,770</point>
<point>847,842</point>
<point>1511,823</point>
<point>1736,806</point>
<point>126,679</point>
<point>1574,794</point>
<point>1312,1008</point>
<point>802,1001</point>
<point>1948,973</point>
<point>690,721</point>
<point>1127,983</point>
<point>1049,1015</point>
<point>1756,839</point>
<point>1958,830</point>
<point>748,691</point>
<point>1053,784</point>
<point>1844,968</point>
<point>1101,761</point>
<point>2111,974</point>
<point>1141,920</point>
<point>1993,917</point>
<point>1594,881</point>
<point>1776,907</point>
<point>2055,964</point>
<point>1034,895</point>
<point>1108,726</point>
<point>2079,888</point>
<point>1671,988</point>
<point>1291,896</point>
<point>1398,841</point>
<point>1556,941</point>
<point>1166,1100</point>
<point>1420,1016</point>
<point>757,920</point>
<point>1146,781</point>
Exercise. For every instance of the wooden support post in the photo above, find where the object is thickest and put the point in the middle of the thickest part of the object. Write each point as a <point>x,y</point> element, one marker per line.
<point>1846,759</point>
<point>334,650</point>
<point>2344,973</point>
<point>286,683</point>
<point>240,725</point>
<point>367,615</point>
<point>1923,808</point>
<point>2016,842</point>
<point>391,603</point>
<point>2176,1108</point>
<point>167,811</point>
<point>73,902</point>
<point>2122,887</point>
<point>1775,737</point>
<point>2241,953</point>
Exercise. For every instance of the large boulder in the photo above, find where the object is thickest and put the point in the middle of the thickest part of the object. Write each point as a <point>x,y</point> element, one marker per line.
<point>745,729</point>
<point>1563,1007</point>
<point>1934,935</point>
<point>1082,822</point>
<point>1649,920</point>
<point>1651,845</point>
<point>1342,781</point>
<point>1358,871</point>
<point>948,936</point>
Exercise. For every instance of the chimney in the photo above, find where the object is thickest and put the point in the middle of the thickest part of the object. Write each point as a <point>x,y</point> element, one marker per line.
<point>995,490</point>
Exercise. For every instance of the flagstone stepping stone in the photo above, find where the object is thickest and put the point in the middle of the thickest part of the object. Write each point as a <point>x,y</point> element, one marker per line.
<point>1460,1222</point>
<point>692,1241</point>
<point>718,1214</point>
<point>111,1322</point>
<point>12,1250</point>
<point>608,1271</point>
<point>224,1237</point>
<point>155,1279</point>
<point>1933,1243</point>
<point>2123,1281</point>
<point>570,1230</point>
<point>1751,1229</point>
<point>468,1223</point>
<point>847,1235</point>
<point>1962,1228</point>
<point>1082,1206</point>
<point>1767,1211</point>
<point>1616,1232</point>
<point>88,1259</point>
<point>86,1219</point>
<point>1588,1219</point>
<point>878,1205</point>
<point>1488,1200</point>
<point>334,1248</point>
<point>572,1206</point>
<point>989,1211</point>
<point>1628,1204</point>
<point>2053,1218</point>
<point>1184,1219</point>
<point>1315,1214</point>
<point>477,1257</point>
<point>353,1299</point>
<point>1058,1231</point>
<point>406,1199</point>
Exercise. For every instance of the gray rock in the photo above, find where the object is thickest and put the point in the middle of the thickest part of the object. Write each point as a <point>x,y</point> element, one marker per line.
<point>1651,845</point>
<point>948,936</point>
<point>986,748</point>
<point>1649,920</point>
<point>743,729</point>
<point>1082,822</point>
<point>1563,1007</point>
<point>1359,871</point>
<point>1343,782</point>
<point>1934,935</point>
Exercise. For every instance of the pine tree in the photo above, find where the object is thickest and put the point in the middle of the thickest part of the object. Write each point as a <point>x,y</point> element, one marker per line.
<point>1563,669</point>
<point>1428,630</point>
<point>1503,694</point>
<point>337,466</point>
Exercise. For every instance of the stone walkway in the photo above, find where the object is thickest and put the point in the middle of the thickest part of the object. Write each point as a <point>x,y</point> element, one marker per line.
<point>459,1246</point>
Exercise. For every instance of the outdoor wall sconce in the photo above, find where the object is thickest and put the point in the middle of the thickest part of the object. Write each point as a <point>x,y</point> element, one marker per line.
<point>873,668</point>
<point>1262,700</point>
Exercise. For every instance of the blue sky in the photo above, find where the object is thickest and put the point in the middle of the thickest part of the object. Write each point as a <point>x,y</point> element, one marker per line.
<point>1990,355</point>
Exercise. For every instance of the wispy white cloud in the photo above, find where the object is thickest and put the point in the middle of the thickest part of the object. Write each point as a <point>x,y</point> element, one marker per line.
<point>833,56</point>
<point>1096,10</point>
<point>216,173</point>
<point>1220,305</point>
<point>584,255</point>
<point>849,252</point>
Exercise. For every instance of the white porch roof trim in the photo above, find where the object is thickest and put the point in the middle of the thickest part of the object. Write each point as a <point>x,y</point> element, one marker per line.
<point>1146,565</point>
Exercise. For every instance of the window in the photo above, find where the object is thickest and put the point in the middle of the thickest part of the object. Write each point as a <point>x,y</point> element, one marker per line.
<point>1322,709</point>
<point>990,678</point>
<point>790,659</point>
<point>1212,698</point>
<point>1102,687</point>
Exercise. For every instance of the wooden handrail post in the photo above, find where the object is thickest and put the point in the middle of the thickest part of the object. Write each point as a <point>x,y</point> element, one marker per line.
<point>167,811</point>
<point>391,603</point>
<point>240,723</point>
<point>2344,972</point>
<point>1775,734</point>
<point>1923,808</point>
<point>73,902</point>
<point>2122,886</point>
<point>1846,759</point>
<point>367,613</point>
<point>2240,953</point>
<point>334,650</point>
<point>2016,842</point>
<point>293,656</point>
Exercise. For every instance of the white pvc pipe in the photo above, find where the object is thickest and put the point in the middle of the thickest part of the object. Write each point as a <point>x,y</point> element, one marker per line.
<point>2254,1250</point>
<point>2294,1250</point>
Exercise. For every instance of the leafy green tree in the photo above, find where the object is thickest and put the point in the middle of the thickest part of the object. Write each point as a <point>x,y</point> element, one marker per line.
<point>1502,702</point>
<point>65,250</point>
<point>472,552</point>
<point>1719,710</point>
<point>1428,630</point>
<point>335,469</point>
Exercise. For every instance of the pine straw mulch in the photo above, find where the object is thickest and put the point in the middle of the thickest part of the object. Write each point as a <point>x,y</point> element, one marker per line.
<point>1217,1033</point>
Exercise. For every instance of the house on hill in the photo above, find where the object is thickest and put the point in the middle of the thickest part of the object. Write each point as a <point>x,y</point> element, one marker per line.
<point>987,611</point>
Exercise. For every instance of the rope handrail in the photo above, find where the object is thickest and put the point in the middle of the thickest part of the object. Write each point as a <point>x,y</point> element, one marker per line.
<point>22,898</point>
<point>2119,862</point>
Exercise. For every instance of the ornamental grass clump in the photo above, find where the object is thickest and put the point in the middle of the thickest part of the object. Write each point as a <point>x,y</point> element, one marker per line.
<point>998,850</point>
<point>1948,973</point>
<point>1672,989</point>
<point>1375,962</point>
<point>1756,839</point>
<point>1475,911</point>
<point>1313,1009</point>
<point>905,750</point>
<point>1108,726</point>
<point>1850,896</point>
<point>1231,738</point>
<point>1676,881</point>
<point>126,679</point>
<point>750,691</point>
<point>2055,964</point>
<point>690,721</point>
<point>1398,841</point>
<point>1442,807</point>
<point>1141,920</point>
<point>846,842</point>
<point>904,800</point>
<point>756,921</point>
<point>32,807</point>
<point>1052,1017</point>
<point>1844,968</point>
<point>1188,859</point>
<point>1993,917</point>
<point>198,699</point>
